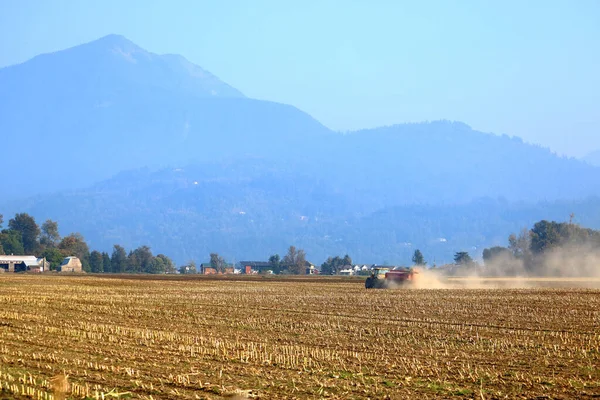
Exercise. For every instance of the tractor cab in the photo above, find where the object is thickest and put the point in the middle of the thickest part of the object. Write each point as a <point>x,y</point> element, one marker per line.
<point>379,273</point>
<point>377,278</point>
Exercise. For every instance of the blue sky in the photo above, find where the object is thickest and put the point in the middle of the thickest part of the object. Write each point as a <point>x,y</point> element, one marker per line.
<point>524,68</point>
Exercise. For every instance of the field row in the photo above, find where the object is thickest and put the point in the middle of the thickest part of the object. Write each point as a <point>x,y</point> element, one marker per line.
<point>291,339</point>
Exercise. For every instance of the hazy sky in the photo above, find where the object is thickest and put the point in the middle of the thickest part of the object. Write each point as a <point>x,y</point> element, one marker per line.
<point>526,68</point>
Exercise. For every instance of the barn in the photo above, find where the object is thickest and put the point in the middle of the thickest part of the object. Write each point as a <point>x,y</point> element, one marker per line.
<point>23,263</point>
<point>70,264</point>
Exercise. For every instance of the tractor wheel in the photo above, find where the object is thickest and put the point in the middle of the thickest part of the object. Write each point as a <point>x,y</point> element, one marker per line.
<point>369,282</point>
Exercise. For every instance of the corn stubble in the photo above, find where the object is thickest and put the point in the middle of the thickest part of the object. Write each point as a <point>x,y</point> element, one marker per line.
<point>95,338</point>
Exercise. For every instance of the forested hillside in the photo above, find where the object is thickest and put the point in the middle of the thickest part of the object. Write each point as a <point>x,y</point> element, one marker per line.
<point>253,213</point>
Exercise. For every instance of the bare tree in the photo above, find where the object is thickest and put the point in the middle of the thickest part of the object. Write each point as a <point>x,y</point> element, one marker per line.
<point>217,262</point>
<point>295,260</point>
<point>521,246</point>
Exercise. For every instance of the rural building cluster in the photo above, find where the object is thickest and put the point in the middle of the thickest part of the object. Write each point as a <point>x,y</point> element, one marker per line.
<point>267,268</point>
<point>249,268</point>
<point>14,263</point>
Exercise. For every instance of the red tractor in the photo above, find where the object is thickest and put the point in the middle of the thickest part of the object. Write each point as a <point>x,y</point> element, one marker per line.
<point>385,277</point>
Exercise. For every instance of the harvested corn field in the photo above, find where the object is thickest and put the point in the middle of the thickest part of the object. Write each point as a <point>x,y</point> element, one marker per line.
<point>93,337</point>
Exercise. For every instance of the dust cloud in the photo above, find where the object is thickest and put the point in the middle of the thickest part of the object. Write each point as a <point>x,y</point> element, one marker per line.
<point>429,279</point>
<point>565,267</point>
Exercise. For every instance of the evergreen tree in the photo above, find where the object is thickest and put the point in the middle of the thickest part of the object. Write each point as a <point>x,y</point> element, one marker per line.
<point>462,258</point>
<point>118,259</point>
<point>96,262</point>
<point>106,266</point>
<point>275,262</point>
<point>418,259</point>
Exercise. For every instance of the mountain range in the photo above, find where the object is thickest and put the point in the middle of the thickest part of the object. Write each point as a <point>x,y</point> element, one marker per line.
<point>131,147</point>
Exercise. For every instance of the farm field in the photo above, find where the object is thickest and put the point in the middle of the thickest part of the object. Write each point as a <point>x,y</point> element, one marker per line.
<point>308,338</point>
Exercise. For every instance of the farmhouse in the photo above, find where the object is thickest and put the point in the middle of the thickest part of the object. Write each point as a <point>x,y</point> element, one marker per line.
<point>23,263</point>
<point>70,264</point>
<point>311,269</point>
<point>207,269</point>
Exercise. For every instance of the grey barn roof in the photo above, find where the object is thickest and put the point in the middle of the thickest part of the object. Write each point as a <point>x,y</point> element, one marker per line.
<point>255,264</point>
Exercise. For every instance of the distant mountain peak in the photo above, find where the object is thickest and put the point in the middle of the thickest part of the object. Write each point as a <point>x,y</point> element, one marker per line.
<point>100,47</point>
<point>114,62</point>
<point>114,38</point>
<point>118,44</point>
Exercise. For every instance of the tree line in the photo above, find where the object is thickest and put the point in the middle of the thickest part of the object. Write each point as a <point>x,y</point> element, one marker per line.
<point>24,237</point>
<point>530,249</point>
